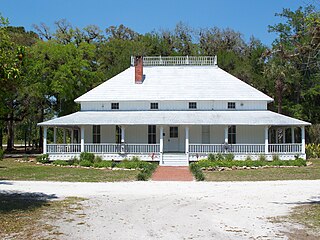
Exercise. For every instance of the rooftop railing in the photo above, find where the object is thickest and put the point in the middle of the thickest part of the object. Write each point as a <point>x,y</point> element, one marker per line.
<point>178,61</point>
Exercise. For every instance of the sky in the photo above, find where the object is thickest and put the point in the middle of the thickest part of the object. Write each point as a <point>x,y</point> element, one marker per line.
<point>250,17</point>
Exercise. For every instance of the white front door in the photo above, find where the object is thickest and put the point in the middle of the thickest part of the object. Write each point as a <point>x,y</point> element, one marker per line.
<point>171,139</point>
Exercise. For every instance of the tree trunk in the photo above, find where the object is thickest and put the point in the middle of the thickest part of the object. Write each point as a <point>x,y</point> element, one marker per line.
<point>10,137</point>
<point>1,136</point>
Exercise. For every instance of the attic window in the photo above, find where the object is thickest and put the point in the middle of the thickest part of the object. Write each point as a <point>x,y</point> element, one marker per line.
<point>231,105</point>
<point>114,105</point>
<point>192,105</point>
<point>154,105</point>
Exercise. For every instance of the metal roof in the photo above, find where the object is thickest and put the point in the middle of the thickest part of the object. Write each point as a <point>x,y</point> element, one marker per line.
<point>174,83</point>
<point>263,117</point>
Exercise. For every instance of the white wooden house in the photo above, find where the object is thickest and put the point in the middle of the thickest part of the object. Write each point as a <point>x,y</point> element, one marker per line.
<point>174,110</point>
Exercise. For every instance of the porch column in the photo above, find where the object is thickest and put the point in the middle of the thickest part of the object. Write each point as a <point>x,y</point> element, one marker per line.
<point>54,135</point>
<point>122,134</point>
<point>82,139</point>
<point>303,140</point>
<point>161,144</point>
<point>292,134</point>
<point>187,139</point>
<point>226,134</point>
<point>266,139</point>
<point>64,135</point>
<point>161,139</point>
<point>45,140</point>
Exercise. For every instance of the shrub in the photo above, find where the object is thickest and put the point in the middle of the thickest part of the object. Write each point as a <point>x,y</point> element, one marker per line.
<point>74,161</point>
<point>43,158</point>
<point>142,176</point>
<point>85,163</point>
<point>103,164</point>
<point>135,158</point>
<point>313,150</point>
<point>97,159</point>
<point>87,156</point>
<point>196,171</point>
<point>248,158</point>
<point>262,158</point>
<point>229,157</point>
<point>275,158</point>
<point>219,156</point>
<point>61,163</point>
<point>146,172</point>
<point>212,157</point>
<point>1,153</point>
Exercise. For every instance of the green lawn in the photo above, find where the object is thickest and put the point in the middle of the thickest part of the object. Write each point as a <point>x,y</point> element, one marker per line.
<point>304,173</point>
<point>13,170</point>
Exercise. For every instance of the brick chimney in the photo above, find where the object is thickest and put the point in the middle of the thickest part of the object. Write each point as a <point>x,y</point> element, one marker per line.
<point>138,65</point>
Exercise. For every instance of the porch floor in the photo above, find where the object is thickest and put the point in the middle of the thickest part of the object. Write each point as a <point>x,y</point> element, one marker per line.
<point>169,173</point>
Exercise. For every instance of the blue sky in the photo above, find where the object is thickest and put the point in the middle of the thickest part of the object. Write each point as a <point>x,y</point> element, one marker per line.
<point>250,17</point>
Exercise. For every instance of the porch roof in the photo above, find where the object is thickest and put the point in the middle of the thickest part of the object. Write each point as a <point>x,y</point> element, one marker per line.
<point>263,117</point>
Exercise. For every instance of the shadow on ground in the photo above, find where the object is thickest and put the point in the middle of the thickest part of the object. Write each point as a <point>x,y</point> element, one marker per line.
<point>15,201</point>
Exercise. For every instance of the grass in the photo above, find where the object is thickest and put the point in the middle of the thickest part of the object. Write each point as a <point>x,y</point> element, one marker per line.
<point>28,215</point>
<point>13,170</point>
<point>267,174</point>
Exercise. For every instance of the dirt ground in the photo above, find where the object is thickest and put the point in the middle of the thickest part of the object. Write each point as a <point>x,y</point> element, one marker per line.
<point>177,210</point>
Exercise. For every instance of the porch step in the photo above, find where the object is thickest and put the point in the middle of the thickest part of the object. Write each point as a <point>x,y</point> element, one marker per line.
<point>174,159</point>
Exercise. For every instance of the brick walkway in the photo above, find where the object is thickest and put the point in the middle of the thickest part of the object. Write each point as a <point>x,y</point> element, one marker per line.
<point>164,173</point>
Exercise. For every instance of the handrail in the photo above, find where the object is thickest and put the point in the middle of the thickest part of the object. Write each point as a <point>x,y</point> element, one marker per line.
<point>178,61</point>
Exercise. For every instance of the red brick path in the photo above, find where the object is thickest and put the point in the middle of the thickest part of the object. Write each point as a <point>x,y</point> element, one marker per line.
<point>164,173</point>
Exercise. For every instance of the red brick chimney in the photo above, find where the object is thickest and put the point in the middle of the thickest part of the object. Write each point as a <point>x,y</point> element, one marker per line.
<point>138,64</point>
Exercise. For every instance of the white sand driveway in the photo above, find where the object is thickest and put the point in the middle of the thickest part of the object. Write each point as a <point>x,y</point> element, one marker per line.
<point>178,210</point>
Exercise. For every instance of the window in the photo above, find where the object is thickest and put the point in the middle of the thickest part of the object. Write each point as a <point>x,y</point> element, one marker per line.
<point>152,134</point>
<point>231,105</point>
<point>154,105</point>
<point>232,134</point>
<point>192,105</point>
<point>96,134</point>
<point>173,132</point>
<point>114,105</point>
<point>118,134</point>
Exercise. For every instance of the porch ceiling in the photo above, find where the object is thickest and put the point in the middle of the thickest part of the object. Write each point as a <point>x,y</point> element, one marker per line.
<point>175,118</point>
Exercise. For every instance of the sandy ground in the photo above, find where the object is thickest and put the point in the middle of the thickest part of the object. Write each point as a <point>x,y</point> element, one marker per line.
<point>177,210</point>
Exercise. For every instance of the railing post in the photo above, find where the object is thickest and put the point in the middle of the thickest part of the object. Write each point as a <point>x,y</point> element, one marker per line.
<point>266,139</point>
<point>82,139</point>
<point>122,134</point>
<point>303,140</point>
<point>45,139</point>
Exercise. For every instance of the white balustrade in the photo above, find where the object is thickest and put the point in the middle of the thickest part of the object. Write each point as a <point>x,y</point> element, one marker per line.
<point>178,60</point>
<point>285,148</point>
<point>223,148</point>
<point>63,148</point>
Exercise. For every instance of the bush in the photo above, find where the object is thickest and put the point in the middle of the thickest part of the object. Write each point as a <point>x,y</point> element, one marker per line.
<point>313,150</point>
<point>103,164</point>
<point>135,159</point>
<point>43,158</point>
<point>142,176</point>
<point>196,171</point>
<point>87,157</point>
<point>85,163</point>
<point>1,153</point>
<point>146,172</point>
<point>97,159</point>
<point>275,158</point>
<point>74,161</point>
<point>229,157</point>
<point>61,163</point>
<point>262,158</point>
<point>212,157</point>
<point>220,156</point>
<point>248,158</point>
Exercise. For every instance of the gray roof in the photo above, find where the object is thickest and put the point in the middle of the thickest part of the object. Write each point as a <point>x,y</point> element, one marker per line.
<point>263,117</point>
<point>174,83</point>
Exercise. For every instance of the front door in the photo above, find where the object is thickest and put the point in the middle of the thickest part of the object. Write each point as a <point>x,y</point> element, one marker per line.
<point>172,139</point>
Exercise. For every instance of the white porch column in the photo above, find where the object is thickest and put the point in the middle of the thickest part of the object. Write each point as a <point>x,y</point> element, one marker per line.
<point>45,140</point>
<point>122,134</point>
<point>266,139</point>
<point>72,136</point>
<point>187,139</point>
<point>292,134</point>
<point>82,139</point>
<point>226,134</point>
<point>303,140</point>
<point>54,135</point>
<point>64,135</point>
<point>161,139</point>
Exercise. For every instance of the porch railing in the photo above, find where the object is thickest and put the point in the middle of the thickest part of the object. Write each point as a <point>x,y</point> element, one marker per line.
<point>63,148</point>
<point>285,148</point>
<point>245,148</point>
<point>142,148</point>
